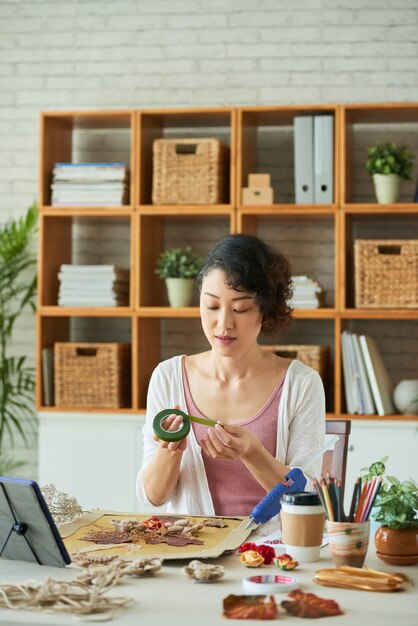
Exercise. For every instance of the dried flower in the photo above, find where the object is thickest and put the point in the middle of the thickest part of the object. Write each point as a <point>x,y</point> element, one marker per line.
<point>285,561</point>
<point>267,552</point>
<point>63,508</point>
<point>251,558</point>
<point>154,523</point>
<point>247,546</point>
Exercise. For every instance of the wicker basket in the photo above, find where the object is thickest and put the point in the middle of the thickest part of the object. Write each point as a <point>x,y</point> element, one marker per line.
<point>316,357</point>
<point>92,375</point>
<point>386,273</point>
<point>189,171</point>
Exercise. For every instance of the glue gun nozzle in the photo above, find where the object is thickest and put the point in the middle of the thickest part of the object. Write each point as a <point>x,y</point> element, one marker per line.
<point>250,523</point>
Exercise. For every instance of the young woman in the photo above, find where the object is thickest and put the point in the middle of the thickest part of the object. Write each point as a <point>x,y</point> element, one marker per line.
<point>271,411</point>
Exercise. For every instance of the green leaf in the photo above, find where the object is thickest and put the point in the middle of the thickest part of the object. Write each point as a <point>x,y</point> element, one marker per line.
<point>388,158</point>
<point>17,292</point>
<point>393,480</point>
<point>178,263</point>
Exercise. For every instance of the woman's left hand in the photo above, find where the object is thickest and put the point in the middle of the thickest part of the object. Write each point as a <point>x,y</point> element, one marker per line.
<point>228,443</point>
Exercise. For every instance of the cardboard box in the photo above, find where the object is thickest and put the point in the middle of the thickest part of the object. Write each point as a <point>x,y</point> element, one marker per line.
<point>257,195</point>
<point>259,180</point>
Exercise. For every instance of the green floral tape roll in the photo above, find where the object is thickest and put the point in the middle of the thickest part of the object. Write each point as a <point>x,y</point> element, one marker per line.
<point>183,431</point>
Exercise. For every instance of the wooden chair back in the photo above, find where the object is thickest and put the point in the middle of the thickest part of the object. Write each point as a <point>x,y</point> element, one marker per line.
<point>335,461</point>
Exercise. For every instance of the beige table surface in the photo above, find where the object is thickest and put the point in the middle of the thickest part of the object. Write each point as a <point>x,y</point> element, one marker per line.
<point>170,598</point>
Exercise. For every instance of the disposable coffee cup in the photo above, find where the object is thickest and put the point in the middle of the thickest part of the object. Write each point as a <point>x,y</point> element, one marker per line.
<point>302,520</point>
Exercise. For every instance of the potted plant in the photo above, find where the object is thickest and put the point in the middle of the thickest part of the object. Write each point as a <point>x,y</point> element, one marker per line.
<point>387,163</point>
<point>396,540</point>
<point>17,294</point>
<point>179,267</point>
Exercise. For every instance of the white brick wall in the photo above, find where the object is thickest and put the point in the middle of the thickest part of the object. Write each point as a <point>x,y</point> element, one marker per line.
<point>155,53</point>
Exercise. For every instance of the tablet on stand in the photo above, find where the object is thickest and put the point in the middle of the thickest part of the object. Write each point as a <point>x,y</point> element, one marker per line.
<point>27,530</point>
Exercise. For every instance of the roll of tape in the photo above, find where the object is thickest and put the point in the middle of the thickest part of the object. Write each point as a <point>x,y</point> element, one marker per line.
<point>268,583</point>
<point>183,431</point>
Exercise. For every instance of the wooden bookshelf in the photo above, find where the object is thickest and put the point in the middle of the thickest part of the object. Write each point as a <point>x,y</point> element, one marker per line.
<point>254,135</point>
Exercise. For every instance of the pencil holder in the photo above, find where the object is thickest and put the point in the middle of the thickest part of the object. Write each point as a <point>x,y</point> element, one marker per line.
<point>348,542</point>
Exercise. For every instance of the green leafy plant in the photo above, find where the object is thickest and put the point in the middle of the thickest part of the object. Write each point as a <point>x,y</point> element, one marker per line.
<point>178,263</point>
<point>388,158</point>
<point>17,292</point>
<point>397,501</point>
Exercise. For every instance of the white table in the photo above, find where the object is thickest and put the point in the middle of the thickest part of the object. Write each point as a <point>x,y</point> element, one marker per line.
<point>169,598</point>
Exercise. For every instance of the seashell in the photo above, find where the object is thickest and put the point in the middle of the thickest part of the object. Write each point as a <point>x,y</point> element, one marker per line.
<point>183,521</point>
<point>251,558</point>
<point>192,530</point>
<point>143,566</point>
<point>101,575</point>
<point>203,572</point>
<point>127,525</point>
<point>174,530</point>
<point>85,559</point>
<point>216,523</point>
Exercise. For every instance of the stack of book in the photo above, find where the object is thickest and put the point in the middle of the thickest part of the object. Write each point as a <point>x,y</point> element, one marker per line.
<point>89,184</point>
<point>307,293</point>
<point>368,388</point>
<point>93,285</point>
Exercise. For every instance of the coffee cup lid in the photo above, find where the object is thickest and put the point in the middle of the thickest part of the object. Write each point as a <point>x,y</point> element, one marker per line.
<point>301,498</point>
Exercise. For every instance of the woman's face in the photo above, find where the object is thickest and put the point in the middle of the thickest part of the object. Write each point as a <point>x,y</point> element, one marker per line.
<point>231,319</point>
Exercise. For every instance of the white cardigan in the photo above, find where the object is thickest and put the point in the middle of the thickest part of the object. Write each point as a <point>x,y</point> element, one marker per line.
<point>300,433</point>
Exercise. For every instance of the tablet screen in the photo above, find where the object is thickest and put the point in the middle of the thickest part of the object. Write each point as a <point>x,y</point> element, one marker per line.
<point>27,530</point>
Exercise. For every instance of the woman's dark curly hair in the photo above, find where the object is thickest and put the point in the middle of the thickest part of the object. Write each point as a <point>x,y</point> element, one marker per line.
<point>250,264</point>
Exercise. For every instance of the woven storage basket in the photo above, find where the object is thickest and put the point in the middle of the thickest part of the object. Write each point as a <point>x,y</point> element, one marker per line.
<point>189,171</point>
<point>386,273</point>
<point>92,375</point>
<point>316,357</point>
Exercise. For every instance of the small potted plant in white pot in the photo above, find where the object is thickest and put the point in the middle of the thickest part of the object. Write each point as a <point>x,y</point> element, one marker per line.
<point>179,267</point>
<point>387,163</point>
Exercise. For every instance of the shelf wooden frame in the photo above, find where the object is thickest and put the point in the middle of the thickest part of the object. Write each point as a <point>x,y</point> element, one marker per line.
<point>146,309</point>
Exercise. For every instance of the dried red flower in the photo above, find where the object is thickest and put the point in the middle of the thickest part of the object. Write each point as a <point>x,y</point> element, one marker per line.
<point>247,546</point>
<point>310,605</point>
<point>267,552</point>
<point>286,562</point>
<point>154,523</point>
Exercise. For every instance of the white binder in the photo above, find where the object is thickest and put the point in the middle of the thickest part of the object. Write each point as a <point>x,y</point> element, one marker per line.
<point>323,159</point>
<point>379,379</point>
<point>303,147</point>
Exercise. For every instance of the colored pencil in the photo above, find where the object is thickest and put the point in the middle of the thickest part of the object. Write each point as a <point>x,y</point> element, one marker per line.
<point>318,490</point>
<point>368,497</point>
<point>328,507</point>
<point>376,490</point>
<point>340,510</point>
<point>331,490</point>
<point>360,503</point>
<point>354,500</point>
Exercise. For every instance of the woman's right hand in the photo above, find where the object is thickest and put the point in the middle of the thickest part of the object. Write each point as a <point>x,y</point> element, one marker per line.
<point>172,423</point>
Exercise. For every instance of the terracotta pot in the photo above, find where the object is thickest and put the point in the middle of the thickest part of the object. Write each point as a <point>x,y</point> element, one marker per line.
<point>397,547</point>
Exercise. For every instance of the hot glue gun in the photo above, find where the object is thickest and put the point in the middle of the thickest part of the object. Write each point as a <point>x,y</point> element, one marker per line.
<point>271,504</point>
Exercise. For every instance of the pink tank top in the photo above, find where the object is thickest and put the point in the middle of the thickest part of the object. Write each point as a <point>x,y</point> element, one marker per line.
<point>233,488</point>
